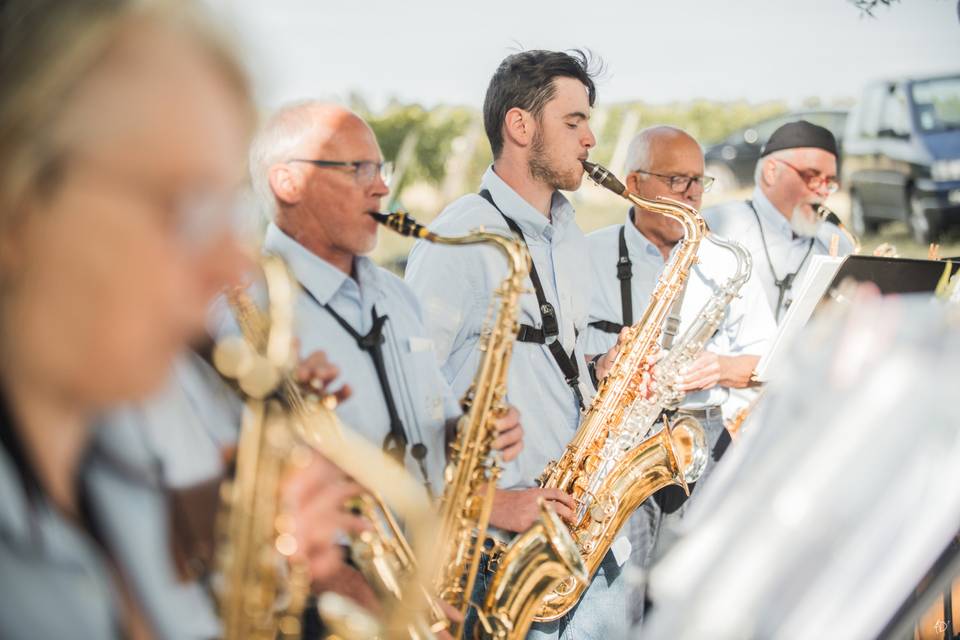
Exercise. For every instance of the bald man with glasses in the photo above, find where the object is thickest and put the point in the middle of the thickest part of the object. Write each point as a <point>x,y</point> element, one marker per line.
<point>626,261</point>
<point>779,225</point>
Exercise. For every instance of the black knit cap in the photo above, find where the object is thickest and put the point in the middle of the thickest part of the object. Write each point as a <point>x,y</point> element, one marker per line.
<point>801,133</point>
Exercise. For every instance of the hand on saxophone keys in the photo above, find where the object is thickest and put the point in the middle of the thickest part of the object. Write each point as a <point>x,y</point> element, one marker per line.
<point>509,440</point>
<point>605,362</point>
<point>315,494</point>
<point>517,510</point>
<point>316,374</point>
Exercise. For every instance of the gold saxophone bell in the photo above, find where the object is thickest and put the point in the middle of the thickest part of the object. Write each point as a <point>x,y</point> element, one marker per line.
<point>531,566</point>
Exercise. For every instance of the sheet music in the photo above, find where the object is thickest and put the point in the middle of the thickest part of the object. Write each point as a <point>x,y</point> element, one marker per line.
<point>819,275</point>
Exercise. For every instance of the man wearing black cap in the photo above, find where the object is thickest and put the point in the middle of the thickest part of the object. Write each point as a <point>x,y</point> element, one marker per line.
<point>779,225</point>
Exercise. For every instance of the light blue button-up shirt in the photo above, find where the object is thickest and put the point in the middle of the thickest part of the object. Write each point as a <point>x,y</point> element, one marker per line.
<point>456,286</point>
<point>735,220</point>
<point>747,327</point>
<point>422,395</point>
<point>58,581</point>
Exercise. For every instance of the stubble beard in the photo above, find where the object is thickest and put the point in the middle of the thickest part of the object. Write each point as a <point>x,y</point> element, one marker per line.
<point>541,170</point>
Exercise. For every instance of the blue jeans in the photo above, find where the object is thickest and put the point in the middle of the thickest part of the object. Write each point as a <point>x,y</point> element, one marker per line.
<point>652,532</point>
<point>601,613</point>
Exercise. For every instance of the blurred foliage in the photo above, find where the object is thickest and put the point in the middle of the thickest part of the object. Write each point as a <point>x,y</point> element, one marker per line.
<point>443,132</point>
<point>435,132</point>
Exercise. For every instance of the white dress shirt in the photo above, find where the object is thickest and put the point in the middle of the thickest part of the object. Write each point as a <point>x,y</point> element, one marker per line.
<point>736,220</point>
<point>747,326</point>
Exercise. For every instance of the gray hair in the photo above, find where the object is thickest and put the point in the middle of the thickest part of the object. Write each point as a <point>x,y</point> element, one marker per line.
<point>277,141</point>
<point>783,154</point>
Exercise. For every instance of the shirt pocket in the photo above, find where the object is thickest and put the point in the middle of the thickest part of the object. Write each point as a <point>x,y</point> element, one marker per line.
<point>425,383</point>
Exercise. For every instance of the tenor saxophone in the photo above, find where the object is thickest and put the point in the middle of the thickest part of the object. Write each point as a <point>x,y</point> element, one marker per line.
<point>608,467</point>
<point>473,470</point>
<point>296,423</point>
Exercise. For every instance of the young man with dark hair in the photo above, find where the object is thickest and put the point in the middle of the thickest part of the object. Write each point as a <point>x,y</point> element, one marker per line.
<point>536,113</point>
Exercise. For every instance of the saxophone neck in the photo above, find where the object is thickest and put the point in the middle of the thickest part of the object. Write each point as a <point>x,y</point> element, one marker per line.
<point>741,255</point>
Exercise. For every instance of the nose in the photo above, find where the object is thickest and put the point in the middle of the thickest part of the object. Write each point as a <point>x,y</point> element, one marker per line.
<point>694,194</point>
<point>591,140</point>
<point>379,188</point>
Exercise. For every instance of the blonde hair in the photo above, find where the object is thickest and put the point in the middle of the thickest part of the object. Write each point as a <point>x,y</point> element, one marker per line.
<point>48,49</point>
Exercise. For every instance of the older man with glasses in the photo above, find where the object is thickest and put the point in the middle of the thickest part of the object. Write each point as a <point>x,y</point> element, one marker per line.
<point>626,261</point>
<point>779,224</point>
<point>318,173</point>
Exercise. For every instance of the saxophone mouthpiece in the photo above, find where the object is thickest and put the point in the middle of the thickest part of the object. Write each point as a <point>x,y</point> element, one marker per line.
<point>403,223</point>
<point>603,177</point>
<point>826,215</point>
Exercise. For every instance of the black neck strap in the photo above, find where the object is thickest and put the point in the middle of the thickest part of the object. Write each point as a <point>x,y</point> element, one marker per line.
<point>785,283</point>
<point>550,327</point>
<point>624,275</point>
<point>395,443</point>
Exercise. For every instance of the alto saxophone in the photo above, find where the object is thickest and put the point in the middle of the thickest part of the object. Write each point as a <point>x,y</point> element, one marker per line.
<point>608,467</point>
<point>666,392</point>
<point>473,470</point>
<point>261,361</point>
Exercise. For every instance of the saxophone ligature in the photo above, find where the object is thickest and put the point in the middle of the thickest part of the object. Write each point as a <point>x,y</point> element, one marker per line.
<point>611,466</point>
<point>264,593</point>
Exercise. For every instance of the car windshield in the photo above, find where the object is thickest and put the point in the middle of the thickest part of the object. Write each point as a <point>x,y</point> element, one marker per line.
<point>937,104</point>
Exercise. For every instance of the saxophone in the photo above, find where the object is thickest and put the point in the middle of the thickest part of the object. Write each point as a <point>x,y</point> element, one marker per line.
<point>666,394</point>
<point>608,467</point>
<point>473,470</point>
<point>281,432</point>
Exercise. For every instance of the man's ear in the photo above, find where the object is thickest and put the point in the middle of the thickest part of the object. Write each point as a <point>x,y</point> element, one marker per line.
<point>519,127</point>
<point>286,185</point>
<point>769,172</point>
<point>633,182</point>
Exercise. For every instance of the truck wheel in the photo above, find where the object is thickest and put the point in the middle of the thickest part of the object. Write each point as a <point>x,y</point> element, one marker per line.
<point>925,226</point>
<point>859,223</point>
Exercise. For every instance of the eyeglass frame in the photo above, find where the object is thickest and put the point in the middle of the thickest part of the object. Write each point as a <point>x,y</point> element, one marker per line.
<point>706,182</point>
<point>833,184</point>
<point>383,169</point>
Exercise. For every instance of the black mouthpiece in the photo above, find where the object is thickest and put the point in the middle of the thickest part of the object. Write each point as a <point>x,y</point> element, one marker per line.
<point>403,224</point>
<point>603,177</point>
<point>828,216</point>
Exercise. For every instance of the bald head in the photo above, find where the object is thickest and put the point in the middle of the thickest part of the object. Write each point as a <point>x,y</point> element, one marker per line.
<point>671,154</point>
<point>658,147</point>
<point>312,130</point>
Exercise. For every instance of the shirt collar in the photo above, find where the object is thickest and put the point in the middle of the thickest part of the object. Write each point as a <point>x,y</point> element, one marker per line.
<point>318,276</point>
<point>533,223</point>
<point>638,245</point>
<point>770,215</point>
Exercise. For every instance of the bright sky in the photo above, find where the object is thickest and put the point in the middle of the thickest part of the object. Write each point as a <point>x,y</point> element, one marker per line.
<point>443,52</point>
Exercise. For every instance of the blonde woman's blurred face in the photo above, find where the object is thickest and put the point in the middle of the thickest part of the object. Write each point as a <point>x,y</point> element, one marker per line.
<point>120,261</point>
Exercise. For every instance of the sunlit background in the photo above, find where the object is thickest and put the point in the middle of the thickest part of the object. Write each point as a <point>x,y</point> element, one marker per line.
<point>418,72</point>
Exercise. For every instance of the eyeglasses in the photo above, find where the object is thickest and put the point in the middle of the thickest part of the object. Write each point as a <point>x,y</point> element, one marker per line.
<point>681,184</point>
<point>365,171</point>
<point>197,216</point>
<point>813,178</point>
